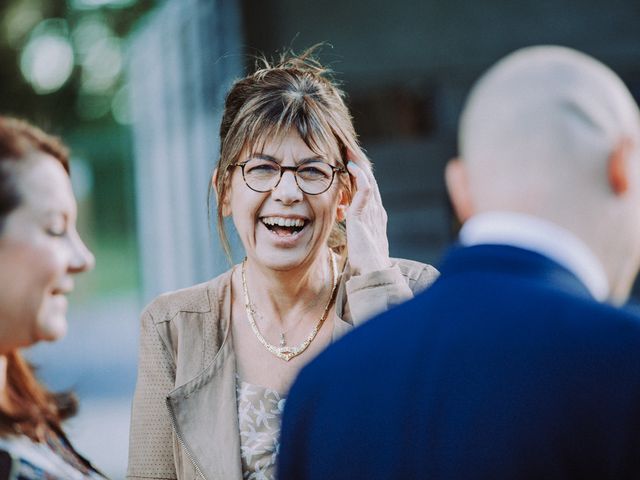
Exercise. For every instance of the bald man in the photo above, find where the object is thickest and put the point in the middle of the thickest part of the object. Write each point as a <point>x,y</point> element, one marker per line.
<point>516,363</point>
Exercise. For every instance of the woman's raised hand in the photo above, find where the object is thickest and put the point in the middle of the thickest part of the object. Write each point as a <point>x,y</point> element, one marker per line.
<point>366,220</point>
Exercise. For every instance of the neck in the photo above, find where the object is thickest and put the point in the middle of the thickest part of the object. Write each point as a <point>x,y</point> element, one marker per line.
<point>283,296</point>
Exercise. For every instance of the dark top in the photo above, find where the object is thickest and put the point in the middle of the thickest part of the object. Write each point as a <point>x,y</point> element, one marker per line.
<point>506,368</point>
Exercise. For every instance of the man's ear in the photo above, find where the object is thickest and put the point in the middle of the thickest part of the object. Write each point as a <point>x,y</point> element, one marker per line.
<point>457,180</point>
<point>226,207</point>
<point>618,167</point>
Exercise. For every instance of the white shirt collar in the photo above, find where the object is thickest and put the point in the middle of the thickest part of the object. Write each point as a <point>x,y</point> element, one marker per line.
<point>541,236</point>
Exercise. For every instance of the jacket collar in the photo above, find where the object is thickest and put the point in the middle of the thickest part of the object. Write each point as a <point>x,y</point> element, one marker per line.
<point>514,261</point>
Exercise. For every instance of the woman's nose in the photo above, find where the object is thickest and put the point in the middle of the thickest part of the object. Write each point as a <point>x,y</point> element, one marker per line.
<point>287,190</point>
<point>82,260</point>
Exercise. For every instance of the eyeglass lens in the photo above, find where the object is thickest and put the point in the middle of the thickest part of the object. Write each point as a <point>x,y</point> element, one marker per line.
<point>312,177</point>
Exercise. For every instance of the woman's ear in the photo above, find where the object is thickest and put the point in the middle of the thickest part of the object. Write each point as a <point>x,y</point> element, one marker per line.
<point>343,205</point>
<point>226,207</point>
<point>457,181</point>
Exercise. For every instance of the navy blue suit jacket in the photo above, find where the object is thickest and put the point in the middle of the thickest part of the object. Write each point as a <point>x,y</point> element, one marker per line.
<point>506,368</point>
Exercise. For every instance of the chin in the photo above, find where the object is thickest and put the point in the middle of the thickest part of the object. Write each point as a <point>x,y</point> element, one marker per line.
<point>52,328</point>
<point>281,264</point>
<point>283,260</point>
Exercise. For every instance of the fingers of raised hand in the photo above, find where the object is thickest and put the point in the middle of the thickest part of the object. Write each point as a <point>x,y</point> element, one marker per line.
<point>360,159</point>
<point>363,188</point>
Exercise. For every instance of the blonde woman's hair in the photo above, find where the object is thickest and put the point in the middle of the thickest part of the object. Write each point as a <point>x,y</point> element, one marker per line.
<point>295,93</point>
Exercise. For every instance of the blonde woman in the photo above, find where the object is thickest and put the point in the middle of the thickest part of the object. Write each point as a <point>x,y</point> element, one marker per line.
<point>217,359</point>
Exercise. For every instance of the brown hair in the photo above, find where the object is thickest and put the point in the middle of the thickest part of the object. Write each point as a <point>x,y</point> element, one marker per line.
<point>294,93</point>
<point>17,140</point>
<point>31,407</point>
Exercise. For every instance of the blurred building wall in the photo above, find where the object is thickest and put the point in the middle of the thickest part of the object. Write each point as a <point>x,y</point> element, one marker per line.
<point>179,67</point>
<point>407,67</point>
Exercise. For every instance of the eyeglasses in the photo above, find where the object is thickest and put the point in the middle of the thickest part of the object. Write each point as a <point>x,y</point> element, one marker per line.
<point>313,178</point>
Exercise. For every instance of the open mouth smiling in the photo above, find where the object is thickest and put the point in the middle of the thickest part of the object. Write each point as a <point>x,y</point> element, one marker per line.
<point>282,226</point>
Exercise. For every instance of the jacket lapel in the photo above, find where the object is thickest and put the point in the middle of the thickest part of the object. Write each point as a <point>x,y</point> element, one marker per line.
<point>341,310</point>
<point>205,408</point>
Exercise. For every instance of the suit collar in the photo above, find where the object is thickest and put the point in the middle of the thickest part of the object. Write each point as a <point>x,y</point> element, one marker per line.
<point>542,236</point>
<point>514,261</point>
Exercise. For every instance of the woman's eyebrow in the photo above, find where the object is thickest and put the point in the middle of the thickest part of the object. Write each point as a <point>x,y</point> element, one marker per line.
<point>317,158</point>
<point>263,156</point>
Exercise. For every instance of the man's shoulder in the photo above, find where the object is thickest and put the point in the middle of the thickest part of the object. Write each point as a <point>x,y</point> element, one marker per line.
<point>545,310</point>
<point>369,341</point>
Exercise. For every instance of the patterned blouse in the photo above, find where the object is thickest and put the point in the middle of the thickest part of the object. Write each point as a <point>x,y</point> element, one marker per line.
<point>259,415</point>
<point>23,459</point>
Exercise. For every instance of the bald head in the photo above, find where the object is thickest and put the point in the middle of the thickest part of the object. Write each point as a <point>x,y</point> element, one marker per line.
<point>539,126</point>
<point>553,133</point>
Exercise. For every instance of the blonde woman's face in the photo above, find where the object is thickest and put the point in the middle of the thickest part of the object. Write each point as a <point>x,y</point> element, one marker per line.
<point>284,228</point>
<point>40,251</point>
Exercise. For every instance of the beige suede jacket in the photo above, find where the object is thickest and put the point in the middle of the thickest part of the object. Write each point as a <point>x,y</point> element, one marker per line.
<point>184,420</point>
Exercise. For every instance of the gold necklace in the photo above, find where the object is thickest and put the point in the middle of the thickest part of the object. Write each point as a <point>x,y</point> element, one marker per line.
<point>285,352</point>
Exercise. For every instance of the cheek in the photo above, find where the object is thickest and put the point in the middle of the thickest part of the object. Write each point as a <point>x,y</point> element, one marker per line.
<point>39,264</point>
<point>47,269</point>
<point>329,212</point>
<point>50,264</point>
<point>244,207</point>
<point>51,322</point>
<point>30,273</point>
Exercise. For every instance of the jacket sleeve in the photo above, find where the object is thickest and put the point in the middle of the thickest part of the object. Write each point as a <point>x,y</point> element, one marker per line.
<point>151,434</point>
<point>376,292</point>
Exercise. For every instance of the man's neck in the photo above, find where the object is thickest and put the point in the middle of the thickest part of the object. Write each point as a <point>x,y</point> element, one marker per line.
<point>541,236</point>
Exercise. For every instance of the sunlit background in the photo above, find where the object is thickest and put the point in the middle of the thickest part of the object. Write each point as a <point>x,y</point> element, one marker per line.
<point>135,88</point>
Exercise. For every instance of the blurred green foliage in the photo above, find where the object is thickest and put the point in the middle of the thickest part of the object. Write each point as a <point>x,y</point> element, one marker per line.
<point>88,111</point>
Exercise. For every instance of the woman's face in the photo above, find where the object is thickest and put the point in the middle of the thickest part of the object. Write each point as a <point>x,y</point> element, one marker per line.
<point>285,228</point>
<point>40,251</point>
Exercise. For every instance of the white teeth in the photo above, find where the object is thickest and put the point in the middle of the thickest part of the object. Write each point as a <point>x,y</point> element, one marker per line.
<point>283,222</point>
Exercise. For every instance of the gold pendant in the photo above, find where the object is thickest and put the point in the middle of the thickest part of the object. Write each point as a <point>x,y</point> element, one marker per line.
<point>283,351</point>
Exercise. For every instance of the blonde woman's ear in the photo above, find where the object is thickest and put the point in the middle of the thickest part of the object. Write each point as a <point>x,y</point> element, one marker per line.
<point>226,207</point>
<point>343,204</point>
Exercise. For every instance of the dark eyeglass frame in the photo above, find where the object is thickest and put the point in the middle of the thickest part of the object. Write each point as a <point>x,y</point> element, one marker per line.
<point>283,169</point>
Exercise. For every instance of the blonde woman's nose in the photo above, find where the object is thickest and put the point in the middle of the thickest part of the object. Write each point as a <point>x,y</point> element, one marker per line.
<point>287,190</point>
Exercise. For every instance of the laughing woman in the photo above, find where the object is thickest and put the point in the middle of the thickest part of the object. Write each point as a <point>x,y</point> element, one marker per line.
<point>217,359</point>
